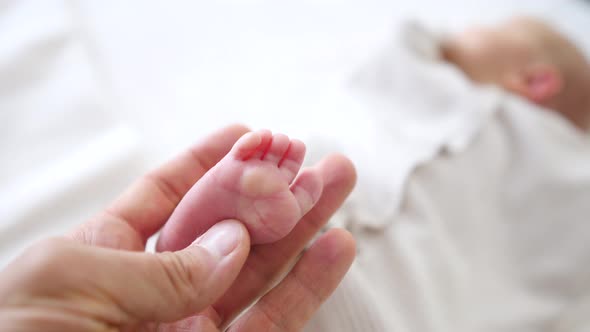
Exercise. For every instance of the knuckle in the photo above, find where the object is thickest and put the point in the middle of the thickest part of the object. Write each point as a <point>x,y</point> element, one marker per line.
<point>46,258</point>
<point>182,272</point>
<point>47,251</point>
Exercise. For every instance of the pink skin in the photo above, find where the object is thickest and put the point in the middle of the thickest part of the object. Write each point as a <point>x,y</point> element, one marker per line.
<point>257,183</point>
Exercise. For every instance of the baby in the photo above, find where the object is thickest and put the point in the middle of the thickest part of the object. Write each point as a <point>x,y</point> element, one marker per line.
<point>528,58</point>
<point>257,183</point>
<point>471,208</point>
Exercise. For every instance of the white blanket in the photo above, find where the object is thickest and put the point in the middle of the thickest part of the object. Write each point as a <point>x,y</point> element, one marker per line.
<point>62,155</point>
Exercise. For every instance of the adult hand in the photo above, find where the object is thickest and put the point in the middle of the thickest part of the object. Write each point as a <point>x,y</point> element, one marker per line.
<point>99,278</point>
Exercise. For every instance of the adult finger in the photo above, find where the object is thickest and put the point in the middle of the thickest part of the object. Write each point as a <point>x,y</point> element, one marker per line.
<point>144,207</point>
<point>268,262</point>
<point>172,285</point>
<point>293,302</point>
<point>133,287</point>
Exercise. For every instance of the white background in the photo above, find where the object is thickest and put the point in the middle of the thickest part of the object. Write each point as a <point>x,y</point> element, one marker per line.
<point>164,73</point>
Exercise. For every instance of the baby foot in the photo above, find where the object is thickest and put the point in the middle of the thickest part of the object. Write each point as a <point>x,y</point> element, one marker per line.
<point>257,184</point>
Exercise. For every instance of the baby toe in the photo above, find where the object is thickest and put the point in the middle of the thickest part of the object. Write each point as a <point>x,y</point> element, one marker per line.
<point>292,160</point>
<point>278,147</point>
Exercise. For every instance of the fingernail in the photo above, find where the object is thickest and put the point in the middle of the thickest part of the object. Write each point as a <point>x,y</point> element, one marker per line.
<point>222,238</point>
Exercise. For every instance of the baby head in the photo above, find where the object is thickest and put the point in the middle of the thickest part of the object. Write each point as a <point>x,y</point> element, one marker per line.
<point>527,57</point>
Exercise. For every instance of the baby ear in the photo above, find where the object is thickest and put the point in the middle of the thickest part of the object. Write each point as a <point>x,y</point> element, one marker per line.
<point>538,82</point>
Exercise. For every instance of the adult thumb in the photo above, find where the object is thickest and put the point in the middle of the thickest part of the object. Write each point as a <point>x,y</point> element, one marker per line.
<point>169,286</point>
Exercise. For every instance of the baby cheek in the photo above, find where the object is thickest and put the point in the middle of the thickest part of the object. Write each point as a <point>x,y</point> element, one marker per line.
<point>471,54</point>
